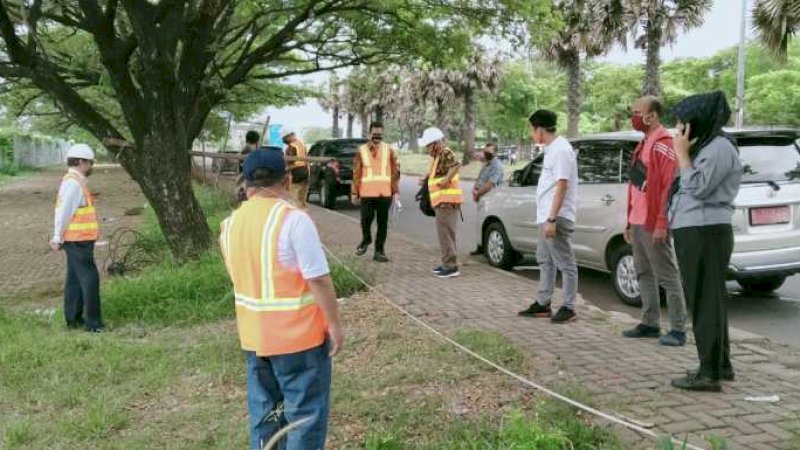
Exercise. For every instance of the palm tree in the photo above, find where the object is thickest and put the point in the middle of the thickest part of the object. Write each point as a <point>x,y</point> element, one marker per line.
<point>657,23</point>
<point>434,88</point>
<point>776,22</point>
<point>355,99</point>
<point>332,102</point>
<point>590,29</point>
<point>480,75</point>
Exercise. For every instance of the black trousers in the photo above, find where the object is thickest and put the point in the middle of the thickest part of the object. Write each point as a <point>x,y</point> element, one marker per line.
<point>370,207</point>
<point>82,287</point>
<point>704,254</point>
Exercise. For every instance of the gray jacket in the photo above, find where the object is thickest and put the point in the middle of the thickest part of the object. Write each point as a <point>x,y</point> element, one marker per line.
<point>707,190</point>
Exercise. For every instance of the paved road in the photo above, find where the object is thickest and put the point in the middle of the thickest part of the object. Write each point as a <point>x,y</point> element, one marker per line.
<point>776,316</point>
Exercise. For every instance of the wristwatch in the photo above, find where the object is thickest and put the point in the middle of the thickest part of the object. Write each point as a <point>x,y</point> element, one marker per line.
<point>551,220</point>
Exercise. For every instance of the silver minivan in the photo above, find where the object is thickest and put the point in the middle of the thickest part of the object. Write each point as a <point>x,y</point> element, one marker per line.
<point>766,222</point>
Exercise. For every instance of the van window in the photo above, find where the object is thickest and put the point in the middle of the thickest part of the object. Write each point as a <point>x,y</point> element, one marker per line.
<point>599,162</point>
<point>763,163</point>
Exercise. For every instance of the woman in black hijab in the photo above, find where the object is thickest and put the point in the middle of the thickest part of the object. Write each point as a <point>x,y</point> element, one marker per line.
<point>701,209</point>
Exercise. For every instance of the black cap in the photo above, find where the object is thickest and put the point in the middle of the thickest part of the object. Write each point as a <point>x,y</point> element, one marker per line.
<point>544,119</point>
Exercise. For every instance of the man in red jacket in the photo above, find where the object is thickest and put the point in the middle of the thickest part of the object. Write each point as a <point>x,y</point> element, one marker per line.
<point>651,174</point>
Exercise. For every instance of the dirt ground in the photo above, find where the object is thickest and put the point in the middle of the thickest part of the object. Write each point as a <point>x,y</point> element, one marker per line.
<point>26,225</point>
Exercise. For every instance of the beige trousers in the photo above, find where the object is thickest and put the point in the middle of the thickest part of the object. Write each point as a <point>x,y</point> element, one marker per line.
<point>446,226</point>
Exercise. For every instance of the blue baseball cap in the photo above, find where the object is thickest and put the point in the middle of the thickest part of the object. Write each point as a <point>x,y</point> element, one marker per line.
<point>269,159</point>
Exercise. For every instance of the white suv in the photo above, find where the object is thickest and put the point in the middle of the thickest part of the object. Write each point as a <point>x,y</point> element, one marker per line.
<point>766,222</point>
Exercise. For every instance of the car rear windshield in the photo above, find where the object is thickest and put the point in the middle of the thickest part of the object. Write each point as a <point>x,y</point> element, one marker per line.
<point>345,148</point>
<point>765,163</point>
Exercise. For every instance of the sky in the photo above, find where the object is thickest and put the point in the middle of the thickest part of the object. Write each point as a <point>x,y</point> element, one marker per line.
<point>720,30</point>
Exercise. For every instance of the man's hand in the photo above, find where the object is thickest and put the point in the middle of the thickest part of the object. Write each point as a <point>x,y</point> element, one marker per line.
<point>549,230</point>
<point>354,199</point>
<point>628,235</point>
<point>336,339</point>
<point>660,236</point>
<point>55,247</point>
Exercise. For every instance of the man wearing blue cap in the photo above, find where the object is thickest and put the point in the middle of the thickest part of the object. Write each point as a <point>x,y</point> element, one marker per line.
<point>286,310</point>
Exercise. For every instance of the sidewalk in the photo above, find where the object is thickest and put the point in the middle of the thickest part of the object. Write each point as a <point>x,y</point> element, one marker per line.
<point>627,377</point>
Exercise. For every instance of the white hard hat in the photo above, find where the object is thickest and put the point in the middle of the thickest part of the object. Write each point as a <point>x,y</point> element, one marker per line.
<point>429,136</point>
<point>286,131</point>
<point>81,151</point>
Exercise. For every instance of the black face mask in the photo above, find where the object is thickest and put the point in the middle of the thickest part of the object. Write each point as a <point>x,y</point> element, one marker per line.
<point>377,138</point>
<point>488,156</point>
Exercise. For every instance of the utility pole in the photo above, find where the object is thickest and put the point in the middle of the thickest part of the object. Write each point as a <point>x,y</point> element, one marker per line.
<point>740,73</point>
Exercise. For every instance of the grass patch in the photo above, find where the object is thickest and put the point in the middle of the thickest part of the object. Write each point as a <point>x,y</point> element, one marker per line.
<point>493,346</point>
<point>10,172</point>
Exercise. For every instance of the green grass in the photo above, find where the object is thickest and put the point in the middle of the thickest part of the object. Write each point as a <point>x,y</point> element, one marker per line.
<point>493,346</point>
<point>11,172</point>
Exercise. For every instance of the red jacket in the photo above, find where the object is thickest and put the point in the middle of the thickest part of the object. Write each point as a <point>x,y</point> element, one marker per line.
<point>660,175</point>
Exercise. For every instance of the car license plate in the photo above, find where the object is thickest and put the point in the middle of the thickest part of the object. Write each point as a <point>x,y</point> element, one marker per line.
<point>770,216</point>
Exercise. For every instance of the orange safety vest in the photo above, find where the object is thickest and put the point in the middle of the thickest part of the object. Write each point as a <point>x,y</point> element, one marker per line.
<point>450,194</point>
<point>376,176</point>
<point>84,225</point>
<point>275,311</point>
<point>301,152</point>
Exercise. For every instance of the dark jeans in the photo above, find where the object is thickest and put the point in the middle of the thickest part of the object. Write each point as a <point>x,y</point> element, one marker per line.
<point>703,257</point>
<point>369,207</point>
<point>283,389</point>
<point>82,286</point>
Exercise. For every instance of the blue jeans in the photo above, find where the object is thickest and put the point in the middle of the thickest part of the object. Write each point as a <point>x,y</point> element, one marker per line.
<point>82,286</point>
<point>285,388</point>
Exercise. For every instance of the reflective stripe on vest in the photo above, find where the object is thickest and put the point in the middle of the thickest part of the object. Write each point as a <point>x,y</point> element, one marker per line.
<point>275,311</point>
<point>83,226</point>
<point>376,177</point>
<point>300,151</point>
<point>451,194</point>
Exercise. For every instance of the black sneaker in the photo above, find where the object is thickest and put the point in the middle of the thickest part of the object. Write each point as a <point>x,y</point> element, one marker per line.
<point>642,331</point>
<point>361,249</point>
<point>437,270</point>
<point>697,382</point>
<point>380,257</point>
<point>448,273</point>
<point>673,339</point>
<point>100,329</point>
<point>727,373</point>
<point>564,315</point>
<point>536,310</point>
<point>477,252</point>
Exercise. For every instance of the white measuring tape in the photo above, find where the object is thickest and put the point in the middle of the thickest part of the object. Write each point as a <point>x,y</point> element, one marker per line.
<point>609,417</point>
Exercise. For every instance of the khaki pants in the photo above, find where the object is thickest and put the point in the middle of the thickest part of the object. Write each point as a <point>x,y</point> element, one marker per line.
<point>300,193</point>
<point>446,225</point>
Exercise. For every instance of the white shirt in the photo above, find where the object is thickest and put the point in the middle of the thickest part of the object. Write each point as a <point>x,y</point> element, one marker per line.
<point>70,198</point>
<point>560,163</point>
<point>299,246</point>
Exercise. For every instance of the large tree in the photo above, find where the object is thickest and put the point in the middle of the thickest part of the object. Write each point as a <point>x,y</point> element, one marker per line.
<point>657,23</point>
<point>589,29</point>
<point>777,22</point>
<point>150,72</point>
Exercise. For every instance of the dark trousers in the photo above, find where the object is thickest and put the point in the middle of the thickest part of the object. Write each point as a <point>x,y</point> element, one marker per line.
<point>82,286</point>
<point>703,257</point>
<point>371,206</point>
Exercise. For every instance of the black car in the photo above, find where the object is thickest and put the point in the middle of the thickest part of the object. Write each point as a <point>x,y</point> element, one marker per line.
<point>332,179</point>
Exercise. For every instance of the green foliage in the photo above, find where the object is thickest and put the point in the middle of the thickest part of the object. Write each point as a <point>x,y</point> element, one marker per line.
<point>493,346</point>
<point>774,98</point>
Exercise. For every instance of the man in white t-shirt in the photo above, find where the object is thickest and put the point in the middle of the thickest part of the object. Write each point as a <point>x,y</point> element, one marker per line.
<point>556,205</point>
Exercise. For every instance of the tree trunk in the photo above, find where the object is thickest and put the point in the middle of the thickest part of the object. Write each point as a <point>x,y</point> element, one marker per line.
<point>574,92</point>
<point>413,145</point>
<point>363,118</point>
<point>350,119</point>
<point>165,180</point>
<point>379,114</point>
<point>652,72</point>
<point>469,126</point>
<point>336,131</point>
<point>441,116</point>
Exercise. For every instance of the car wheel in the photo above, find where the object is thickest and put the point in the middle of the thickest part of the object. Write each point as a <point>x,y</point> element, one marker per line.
<point>623,272</point>
<point>327,192</point>
<point>497,248</point>
<point>763,285</point>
